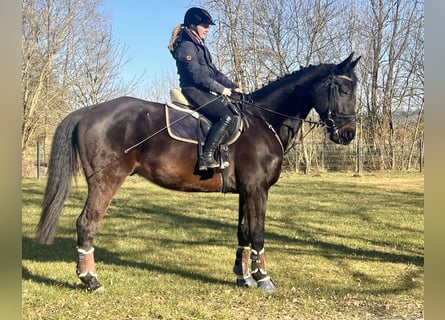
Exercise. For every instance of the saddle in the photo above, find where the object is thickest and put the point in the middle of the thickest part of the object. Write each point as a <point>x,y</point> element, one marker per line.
<point>185,124</point>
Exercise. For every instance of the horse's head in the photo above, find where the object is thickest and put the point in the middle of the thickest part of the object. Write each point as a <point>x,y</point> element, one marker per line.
<point>334,100</point>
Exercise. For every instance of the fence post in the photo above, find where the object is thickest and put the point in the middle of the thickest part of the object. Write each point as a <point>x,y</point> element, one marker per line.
<point>296,157</point>
<point>421,155</point>
<point>38,160</point>
<point>359,157</point>
<point>323,151</point>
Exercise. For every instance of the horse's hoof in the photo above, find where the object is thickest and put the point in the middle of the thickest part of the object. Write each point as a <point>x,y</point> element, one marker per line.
<point>91,283</point>
<point>248,282</point>
<point>96,287</point>
<point>266,285</point>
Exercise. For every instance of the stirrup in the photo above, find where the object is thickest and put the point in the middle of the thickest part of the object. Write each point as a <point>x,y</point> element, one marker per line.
<point>205,163</point>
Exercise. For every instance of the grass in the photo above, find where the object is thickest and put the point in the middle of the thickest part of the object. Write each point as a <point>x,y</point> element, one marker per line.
<point>337,246</point>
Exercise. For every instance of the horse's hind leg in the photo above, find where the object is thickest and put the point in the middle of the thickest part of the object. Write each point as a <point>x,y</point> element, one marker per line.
<point>100,194</point>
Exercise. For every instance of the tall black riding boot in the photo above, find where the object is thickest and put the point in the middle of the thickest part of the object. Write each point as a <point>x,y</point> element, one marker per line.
<point>214,138</point>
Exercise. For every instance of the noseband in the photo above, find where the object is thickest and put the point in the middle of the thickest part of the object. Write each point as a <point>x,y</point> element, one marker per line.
<point>331,115</point>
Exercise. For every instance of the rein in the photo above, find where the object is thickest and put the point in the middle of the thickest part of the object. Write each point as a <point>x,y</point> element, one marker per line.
<point>314,124</point>
<point>328,122</point>
<point>250,102</point>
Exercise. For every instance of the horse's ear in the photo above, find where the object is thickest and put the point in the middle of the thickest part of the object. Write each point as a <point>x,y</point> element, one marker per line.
<point>347,64</point>
<point>354,63</point>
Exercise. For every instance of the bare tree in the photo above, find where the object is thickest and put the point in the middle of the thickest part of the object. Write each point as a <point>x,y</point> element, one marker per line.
<point>159,88</point>
<point>96,62</point>
<point>45,29</point>
<point>392,43</point>
<point>69,60</point>
<point>270,38</point>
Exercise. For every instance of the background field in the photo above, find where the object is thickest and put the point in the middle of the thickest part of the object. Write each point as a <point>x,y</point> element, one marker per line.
<point>337,246</point>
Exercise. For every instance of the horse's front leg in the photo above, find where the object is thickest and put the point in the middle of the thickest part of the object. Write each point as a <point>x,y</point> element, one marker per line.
<point>252,212</point>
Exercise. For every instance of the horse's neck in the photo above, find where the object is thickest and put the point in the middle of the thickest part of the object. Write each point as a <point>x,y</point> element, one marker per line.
<point>286,120</point>
<point>280,102</point>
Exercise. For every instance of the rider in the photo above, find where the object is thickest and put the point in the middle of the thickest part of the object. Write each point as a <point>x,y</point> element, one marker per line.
<point>199,78</point>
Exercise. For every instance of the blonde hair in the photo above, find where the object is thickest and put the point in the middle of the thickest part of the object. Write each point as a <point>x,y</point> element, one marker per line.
<point>174,37</point>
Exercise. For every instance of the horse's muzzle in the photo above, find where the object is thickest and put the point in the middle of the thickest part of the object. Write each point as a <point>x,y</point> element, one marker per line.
<point>343,135</point>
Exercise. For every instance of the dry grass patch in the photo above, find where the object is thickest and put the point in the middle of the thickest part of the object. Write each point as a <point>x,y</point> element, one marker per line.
<point>338,247</point>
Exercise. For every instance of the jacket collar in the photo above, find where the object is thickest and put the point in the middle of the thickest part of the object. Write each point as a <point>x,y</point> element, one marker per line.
<point>193,36</point>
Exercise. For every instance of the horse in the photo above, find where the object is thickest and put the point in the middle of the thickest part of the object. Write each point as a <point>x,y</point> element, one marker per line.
<point>108,141</point>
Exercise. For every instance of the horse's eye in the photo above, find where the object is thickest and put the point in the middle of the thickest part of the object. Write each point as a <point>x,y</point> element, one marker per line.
<point>344,90</point>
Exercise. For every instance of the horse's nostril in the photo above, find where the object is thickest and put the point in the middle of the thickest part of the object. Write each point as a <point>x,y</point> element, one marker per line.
<point>350,134</point>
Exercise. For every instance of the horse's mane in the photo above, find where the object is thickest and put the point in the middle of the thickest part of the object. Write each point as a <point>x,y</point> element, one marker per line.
<point>294,78</point>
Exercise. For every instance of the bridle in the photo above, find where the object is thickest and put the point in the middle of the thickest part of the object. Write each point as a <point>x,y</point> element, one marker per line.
<point>331,115</point>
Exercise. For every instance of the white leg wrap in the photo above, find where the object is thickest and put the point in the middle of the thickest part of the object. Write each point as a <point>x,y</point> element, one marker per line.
<point>85,262</point>
<point>241,267</point>
<point>258,262</point>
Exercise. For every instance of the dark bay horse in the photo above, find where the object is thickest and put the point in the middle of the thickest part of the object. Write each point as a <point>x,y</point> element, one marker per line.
<point>96,137</point>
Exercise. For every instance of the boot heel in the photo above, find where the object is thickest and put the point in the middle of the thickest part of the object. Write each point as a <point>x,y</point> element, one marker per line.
<point>204,164</point>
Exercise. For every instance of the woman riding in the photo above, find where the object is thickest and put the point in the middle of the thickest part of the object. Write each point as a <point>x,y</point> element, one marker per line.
<point>199,79</point>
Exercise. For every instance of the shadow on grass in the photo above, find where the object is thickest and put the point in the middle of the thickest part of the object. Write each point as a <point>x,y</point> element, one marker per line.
<point>63,250</point>
<point>27,275</point>
<point>332,250</point>
<point>148,214</point>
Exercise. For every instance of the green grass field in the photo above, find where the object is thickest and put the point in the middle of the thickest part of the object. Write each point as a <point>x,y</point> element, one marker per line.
<point>337,246</point>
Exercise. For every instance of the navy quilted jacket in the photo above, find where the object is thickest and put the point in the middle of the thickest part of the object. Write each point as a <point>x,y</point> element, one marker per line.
<point>195,66</point>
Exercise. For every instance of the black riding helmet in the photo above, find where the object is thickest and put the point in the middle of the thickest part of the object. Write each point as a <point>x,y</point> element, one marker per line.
<point>197,16</point>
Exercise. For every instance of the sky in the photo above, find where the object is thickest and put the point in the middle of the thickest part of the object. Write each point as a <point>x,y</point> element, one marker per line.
<point>144,27</point>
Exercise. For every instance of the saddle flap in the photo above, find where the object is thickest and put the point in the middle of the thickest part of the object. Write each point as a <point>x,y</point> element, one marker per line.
<point>188,125</point>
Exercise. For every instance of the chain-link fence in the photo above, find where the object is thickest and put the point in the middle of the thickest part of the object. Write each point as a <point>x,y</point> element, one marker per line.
<point>356,157</point>
<point>305,157</point>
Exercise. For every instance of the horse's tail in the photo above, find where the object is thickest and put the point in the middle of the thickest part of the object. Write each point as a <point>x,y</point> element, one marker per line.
<point>62,166</point>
